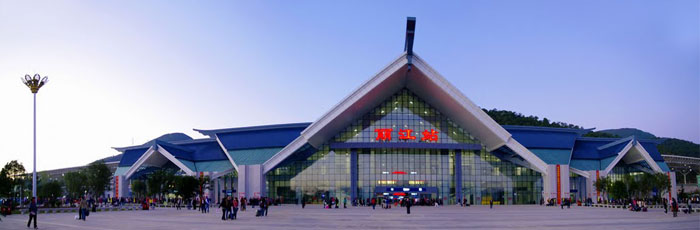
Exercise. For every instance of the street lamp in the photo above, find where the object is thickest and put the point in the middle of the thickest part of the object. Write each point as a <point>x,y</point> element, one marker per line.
<point>34,83</point>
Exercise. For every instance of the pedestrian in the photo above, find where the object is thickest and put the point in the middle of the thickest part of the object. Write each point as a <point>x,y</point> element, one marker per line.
<point>491,204</point>
<point>244,202</point>
<point>665,206</point>
<point>374,203</point>
<point>408,205</point>
<point>674,207</point>
<point>224,208</point>
<point>234,205</point>
<point>303,202</point>
<point>345,202</point>
<point>33,211</point>
<point>83,209</point>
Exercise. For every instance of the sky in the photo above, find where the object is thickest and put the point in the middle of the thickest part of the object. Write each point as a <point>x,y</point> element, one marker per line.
<point>125,72</point>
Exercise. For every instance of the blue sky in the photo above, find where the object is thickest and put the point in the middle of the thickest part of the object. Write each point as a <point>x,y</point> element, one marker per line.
<point>133,70</point>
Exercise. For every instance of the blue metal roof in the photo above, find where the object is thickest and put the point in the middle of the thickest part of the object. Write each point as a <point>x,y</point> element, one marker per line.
<point>211,132</point>
<point>545,137</point>
<point>260,138</point>
<point>131,156</point>
<point>650,147</point>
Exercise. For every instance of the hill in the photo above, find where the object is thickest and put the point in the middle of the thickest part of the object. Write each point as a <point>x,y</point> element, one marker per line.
<point>626,132</point>
<point>670,146</point>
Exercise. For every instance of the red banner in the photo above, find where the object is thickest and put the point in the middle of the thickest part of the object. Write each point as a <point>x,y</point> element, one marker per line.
<point>116,187</point>
<point>558,184</point>
<point>669,189</point>
<point>597,177</point>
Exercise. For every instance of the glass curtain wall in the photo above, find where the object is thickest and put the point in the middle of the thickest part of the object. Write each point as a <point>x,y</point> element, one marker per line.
<point>405,118</point>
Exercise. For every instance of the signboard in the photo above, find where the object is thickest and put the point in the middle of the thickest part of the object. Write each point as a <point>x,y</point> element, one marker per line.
<point>116,185</point>
<point>669,189</point>
<point>597,176</point>
<point>406,134</point>
<point>558,184</point>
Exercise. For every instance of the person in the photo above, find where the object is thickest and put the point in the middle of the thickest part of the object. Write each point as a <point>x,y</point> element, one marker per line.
<point>665,206</point>
<point>234,205</point>
<point>491,204</point>
<point>690,208</point>
<point>674,207</point>
<point>408,205</point>
<point>33,210</point>
<point>303,202</point>
<point>224,208</point>
<point>345,202</point>
<point>244,201</point>
<point>267,202</point>
<point>178,203</point>
<point>374,202</point>
<point>83,209</point>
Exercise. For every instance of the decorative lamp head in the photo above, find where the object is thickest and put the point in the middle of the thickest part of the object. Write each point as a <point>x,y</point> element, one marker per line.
<point>35,83</point>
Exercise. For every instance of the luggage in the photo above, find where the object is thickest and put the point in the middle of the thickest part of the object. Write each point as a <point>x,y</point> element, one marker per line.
<point>259,212</point>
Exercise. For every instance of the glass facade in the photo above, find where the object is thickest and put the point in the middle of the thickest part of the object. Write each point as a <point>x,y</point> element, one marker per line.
<point>426,161</point>
<point>486,177</point>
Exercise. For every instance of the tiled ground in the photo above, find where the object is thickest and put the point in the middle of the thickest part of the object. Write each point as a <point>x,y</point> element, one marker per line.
<point>314,217</point>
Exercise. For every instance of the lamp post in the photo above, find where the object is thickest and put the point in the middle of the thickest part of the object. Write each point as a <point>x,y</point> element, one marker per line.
<point>34,84</point>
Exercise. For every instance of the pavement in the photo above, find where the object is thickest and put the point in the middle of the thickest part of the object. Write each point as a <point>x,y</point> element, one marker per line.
<point>315,217</point>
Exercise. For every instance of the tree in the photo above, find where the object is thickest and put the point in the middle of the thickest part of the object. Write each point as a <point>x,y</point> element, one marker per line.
<point>602,184</point>
<point>5,184</point>
<point>662,183</point>
<point>17,176</point>
<point>139,188</point>
<point>618,190</point>
<point>646,184</point>
<point>186,186</point>
<point>631,184</point>
<point>75,183</point>
<point>158,182</point>
<point>50,189</point>
<point>98,177</point>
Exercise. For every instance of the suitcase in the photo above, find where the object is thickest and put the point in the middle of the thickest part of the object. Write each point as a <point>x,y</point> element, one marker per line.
<point>259,213</point>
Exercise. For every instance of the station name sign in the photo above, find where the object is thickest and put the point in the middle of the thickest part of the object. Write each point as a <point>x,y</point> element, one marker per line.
<point>406,134</point>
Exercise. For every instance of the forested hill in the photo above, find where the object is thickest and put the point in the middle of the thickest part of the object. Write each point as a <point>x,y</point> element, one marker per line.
<point>671,146</point>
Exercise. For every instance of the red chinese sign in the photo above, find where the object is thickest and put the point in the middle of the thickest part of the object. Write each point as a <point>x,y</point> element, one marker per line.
<point>431,135</point>
<point>406,134</point>
<point>383,134</point>
<point>558,184</point>
<point>116,185</point>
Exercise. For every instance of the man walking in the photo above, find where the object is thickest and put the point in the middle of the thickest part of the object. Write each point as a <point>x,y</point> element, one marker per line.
<point>408,205</point>
<point>32,213</point>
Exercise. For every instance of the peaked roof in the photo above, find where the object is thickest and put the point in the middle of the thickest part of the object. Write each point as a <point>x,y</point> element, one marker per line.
<point>426,83</point>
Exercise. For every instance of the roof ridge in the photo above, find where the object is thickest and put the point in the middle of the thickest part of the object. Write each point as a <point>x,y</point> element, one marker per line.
<point>623,140</point>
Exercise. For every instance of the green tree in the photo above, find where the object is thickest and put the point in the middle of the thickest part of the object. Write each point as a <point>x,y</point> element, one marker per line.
<point>602,184</point>
<point>75,183</point>
<point>17,176</point>
<point>139,188</point>
<point>631,184</point>
<point>662,183</point>
<point>618,190</point>
<point>98,177</point>
<point>50,189</point>
<point>186,186</point>
<point>5,184</point>
<point>160,182</point>
<point>646,184</point>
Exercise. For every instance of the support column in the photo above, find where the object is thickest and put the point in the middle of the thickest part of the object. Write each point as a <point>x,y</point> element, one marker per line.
<point>458,175</point>
<point>353,174</point>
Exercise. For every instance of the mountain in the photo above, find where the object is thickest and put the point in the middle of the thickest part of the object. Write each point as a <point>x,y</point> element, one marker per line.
<point>626,132</point>
<point>670,146</point>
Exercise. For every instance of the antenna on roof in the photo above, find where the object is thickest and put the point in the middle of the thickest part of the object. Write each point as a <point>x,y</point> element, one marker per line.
<point>410,33</point>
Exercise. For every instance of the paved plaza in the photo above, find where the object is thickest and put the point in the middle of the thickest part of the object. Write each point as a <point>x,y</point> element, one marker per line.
<point>314,217</point>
